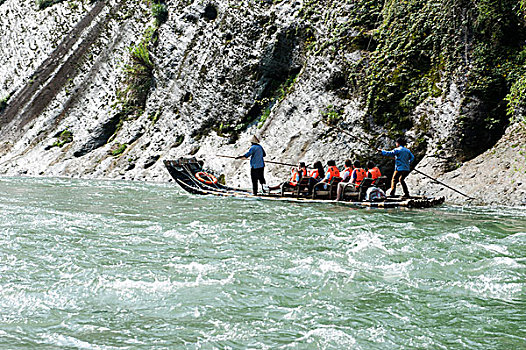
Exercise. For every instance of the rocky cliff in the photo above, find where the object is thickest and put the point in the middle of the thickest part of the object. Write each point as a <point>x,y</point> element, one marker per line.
<point>111,88</point>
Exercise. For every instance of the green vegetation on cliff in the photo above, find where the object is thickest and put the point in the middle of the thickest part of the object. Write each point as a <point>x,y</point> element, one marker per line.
<point>138,78</point>
<point>63,138</point>
<point>415,49</point>
<point>517,96</point>
<point>138,81</point>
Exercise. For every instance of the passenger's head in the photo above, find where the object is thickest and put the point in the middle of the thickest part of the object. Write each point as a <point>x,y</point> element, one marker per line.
<point>302,165</point>
<point>370,164</point>
<point>348,163</point>
<point>401,141</point>
<point>331,163</point>
<point>356,163</point>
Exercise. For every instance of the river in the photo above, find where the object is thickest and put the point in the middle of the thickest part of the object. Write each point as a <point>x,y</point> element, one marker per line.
<point>124,265</point>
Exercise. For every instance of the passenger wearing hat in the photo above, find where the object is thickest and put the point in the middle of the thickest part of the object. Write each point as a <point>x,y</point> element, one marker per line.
<point>256,153</point>
<point>403,160</point>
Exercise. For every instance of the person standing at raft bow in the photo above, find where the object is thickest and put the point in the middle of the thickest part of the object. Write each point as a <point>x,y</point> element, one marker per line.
<point>257,164</point>
<point>403,160</point>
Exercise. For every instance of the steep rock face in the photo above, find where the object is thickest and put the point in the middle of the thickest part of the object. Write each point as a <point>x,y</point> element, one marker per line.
<point>221,72</point>
<point>495,177</point>
<point>29,36</point>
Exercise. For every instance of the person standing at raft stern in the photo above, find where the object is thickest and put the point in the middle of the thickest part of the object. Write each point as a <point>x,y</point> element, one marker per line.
<point>256,153</point>
<point>403,160</point>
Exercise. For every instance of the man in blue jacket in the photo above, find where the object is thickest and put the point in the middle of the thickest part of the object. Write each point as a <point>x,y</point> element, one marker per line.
<point>403,160</point>
<point>256,153</point>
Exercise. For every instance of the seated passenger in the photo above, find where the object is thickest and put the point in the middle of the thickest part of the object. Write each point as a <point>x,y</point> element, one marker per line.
<point>296,175</point>
<point>318,173</point>
<point>373,171</point>
<point>302,169</point>
<point>315,176</point>
<point>332,171</point>
<point>346,176</point>
<point>358,174</point>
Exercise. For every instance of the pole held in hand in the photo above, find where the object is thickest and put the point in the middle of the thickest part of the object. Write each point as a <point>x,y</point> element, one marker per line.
<point>266,161</point>
<point>443,184</point>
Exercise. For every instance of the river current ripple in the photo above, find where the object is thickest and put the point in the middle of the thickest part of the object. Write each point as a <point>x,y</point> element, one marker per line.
<point>120,265</point>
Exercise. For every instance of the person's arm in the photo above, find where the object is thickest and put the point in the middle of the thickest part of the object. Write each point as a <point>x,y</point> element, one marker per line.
<point>248,154</point>
<point>411,157</point>
<point>264,153</point>
<point>389,153</point>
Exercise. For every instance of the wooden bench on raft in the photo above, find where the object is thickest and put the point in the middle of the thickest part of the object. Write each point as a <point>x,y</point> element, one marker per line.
<point>382,183</point>
<point>320,192</point>
<point>301,189</point>
<point>356,194</point>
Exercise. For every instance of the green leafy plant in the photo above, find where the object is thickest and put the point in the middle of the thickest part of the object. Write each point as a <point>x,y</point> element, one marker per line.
<point>332,115</point>
<point>517,99</point>
<point>178,141</point>
<point>413,50</point>
<point>64,137</point>
<point>160,13</point>
<point>154,118</point>
<point>3,103</point>
<point>137,83</point>
<point>263,117</point>
<point>118,149</point>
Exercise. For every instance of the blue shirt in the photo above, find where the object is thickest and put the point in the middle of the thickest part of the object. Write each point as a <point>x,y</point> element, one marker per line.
<point>256,154</point>
<point>403,158</point>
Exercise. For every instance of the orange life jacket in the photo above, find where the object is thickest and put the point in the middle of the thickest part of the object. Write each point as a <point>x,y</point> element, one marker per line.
<point>360,175</point>
<point>314,174</point>
<point>333,171</point>
<point>374,174</point>
<point>295,178</point>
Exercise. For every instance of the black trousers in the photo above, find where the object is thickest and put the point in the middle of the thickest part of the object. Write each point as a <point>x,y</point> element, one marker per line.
<point>257,174</point>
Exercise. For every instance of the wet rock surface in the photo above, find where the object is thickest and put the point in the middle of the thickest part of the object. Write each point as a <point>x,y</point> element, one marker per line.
<point>495,177</point>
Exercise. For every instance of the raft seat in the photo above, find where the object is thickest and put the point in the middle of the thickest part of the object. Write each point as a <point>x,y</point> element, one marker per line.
<point>303,187</point>
<point>300,190</point>
<point>357,194</point>
<point>320,192</point>
<point>382,183</point>
<point>287,190</point>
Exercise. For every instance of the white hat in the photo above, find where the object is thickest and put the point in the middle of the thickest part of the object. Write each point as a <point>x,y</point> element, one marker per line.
<point>254,139</point>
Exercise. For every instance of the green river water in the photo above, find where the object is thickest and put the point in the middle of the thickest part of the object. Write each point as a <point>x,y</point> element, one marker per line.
<point>121,265</point>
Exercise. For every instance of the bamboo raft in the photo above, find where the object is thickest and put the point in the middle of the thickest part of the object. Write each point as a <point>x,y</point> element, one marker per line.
<point>186,173</point>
